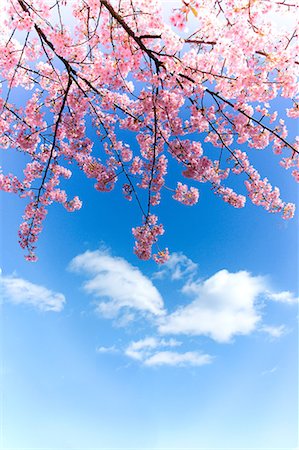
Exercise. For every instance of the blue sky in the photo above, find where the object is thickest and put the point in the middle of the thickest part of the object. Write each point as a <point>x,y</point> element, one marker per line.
<point>101,350</point>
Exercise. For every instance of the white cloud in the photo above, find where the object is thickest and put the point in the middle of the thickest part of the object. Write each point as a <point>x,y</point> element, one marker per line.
<point>283,297</point>
<point>148,352</point>
<point>178,359</point>
<point>141,349</point>
<point>178,266</point>
<point>223,306</point>
<point>103,349</point>
<point>18,291</point>
<point>119,283</point>
<point>269,371</point>
<point>274,331</point>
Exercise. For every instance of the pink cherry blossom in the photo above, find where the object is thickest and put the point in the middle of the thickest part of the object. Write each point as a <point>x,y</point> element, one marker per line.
<point>186,196</point>
<point>123,92</point>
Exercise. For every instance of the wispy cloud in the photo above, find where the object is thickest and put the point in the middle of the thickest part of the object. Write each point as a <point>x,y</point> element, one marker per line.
<point>269,371</point>
<point>274,331</point>
<point>117,284</point>
<point>283,297</point>
<point>168,358</point>
<point>141,349</point>
<point>223,306</point>
<point>149,352</point>
<point>19,291</point>
<point>178,266</point>
<point>103,349</point>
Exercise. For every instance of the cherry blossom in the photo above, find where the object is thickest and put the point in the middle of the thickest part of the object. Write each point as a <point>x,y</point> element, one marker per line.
<point>183,195</point>
<point>118,90</point>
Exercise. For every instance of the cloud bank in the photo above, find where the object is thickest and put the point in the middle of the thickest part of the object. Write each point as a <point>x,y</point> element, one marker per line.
<point>225,305</point>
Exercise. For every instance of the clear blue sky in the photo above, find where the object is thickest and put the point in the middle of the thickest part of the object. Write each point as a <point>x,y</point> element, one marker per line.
<point>100,350</point>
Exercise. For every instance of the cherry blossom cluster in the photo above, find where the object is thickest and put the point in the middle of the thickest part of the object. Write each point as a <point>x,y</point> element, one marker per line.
<point>260,190</point>
<point>35,211</point>
<point>146,236</point>
<point>119,91</point>
<point>186,196</point>
<point>31,227</point>
<point>180,16</point>
<point>231,197</point>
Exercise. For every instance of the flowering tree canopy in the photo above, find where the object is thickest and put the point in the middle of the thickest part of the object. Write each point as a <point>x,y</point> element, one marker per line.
<point>200,97</point>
